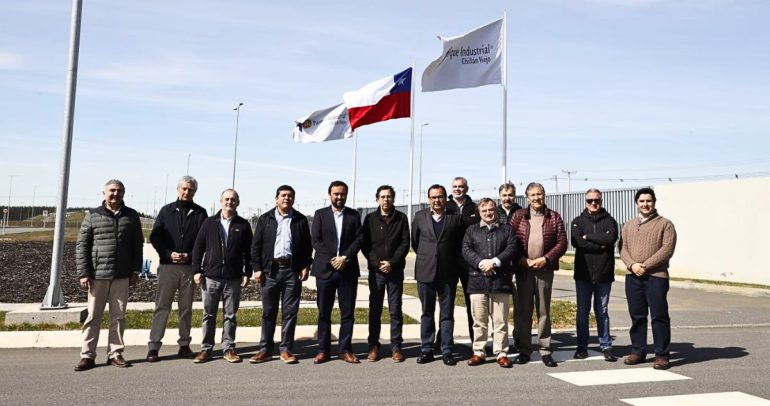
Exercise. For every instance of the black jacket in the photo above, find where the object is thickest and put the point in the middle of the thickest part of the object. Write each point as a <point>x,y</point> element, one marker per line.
<point>469,211</point>
<point>323,233</point>
<point>175,230</point>
<point>231,261</point>
<point>594,255</point>
<point>263,245</point>
<point>381,241</point>
<point>482,243</point>
<point>438,256</point>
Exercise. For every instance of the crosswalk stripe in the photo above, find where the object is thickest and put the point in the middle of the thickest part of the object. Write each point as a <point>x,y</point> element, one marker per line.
<point>700,399</point>
<point>611,377</point>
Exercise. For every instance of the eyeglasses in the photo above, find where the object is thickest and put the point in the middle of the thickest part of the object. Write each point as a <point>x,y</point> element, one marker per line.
<point>593,201</point>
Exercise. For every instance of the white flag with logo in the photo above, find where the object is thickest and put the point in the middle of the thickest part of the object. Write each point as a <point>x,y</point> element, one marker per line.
<point>328,124</point>
<point>470,60</point>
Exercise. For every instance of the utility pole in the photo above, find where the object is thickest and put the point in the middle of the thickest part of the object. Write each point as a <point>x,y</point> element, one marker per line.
<point>556,181</point>
<point>569,179</point>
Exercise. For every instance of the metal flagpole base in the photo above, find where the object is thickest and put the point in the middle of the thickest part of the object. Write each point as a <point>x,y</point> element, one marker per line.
<point>54,299</point>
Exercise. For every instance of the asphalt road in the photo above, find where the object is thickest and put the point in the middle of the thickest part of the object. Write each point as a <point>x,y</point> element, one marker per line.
<point>717,359</point>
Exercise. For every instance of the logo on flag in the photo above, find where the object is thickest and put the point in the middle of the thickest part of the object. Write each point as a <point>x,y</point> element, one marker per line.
<point>384,99</point>
<point>323,125</point>
<point>469,60</point>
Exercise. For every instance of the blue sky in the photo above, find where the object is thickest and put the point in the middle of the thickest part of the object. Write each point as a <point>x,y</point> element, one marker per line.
<point>612,89</point>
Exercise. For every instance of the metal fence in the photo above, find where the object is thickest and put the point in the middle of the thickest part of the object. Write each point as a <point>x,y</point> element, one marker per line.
<point>618,202</point>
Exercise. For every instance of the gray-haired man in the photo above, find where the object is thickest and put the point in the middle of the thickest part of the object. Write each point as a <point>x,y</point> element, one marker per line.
<point>173,236</point>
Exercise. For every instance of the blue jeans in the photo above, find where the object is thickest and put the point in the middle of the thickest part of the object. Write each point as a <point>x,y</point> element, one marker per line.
<point>213,291</point>
<point>601,297</point>
<point>643,293</point>
<point>393,284</point>
<point>281,284</point>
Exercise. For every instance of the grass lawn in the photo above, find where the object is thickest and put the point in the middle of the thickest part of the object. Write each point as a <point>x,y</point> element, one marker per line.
<point>247,317</point>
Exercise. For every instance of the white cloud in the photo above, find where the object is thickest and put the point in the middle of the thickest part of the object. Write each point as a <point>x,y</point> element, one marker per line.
<point>9,60</point>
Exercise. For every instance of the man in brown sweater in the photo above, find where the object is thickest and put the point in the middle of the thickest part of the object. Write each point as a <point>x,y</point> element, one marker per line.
<point>648,243</point>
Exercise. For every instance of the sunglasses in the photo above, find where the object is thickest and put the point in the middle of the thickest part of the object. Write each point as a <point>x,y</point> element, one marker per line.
<point>593,201</point>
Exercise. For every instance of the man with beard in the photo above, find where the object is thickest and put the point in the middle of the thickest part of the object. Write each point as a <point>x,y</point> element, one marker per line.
<point>335,235</point>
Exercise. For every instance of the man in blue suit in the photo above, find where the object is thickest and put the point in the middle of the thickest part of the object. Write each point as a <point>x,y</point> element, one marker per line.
<point>335,234</point>
<point>436,239</point>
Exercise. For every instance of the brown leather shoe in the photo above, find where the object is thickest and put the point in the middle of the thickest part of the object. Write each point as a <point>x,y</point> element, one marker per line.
<point>661,363</point>
<point>118,361</point>
<point>397,356</point>
<point>185,352</point>
<point>475,360</point>
<point>288,358</point>
<point>374,354</point>
<point>349,358</point>
<point>202,357</point>
<point>633,359</point>
<point>321,358</point>
<point>504,362</point>
<point>231,357</point>
<point>85,364</point>
<point>259,357</point>
<point>152,356</point>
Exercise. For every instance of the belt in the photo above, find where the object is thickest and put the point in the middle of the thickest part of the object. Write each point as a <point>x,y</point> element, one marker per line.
<point>282,261</point>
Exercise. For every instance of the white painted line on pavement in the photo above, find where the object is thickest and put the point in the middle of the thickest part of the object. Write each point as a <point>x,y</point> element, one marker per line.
<point>611,377</point>
<point>701,399</point>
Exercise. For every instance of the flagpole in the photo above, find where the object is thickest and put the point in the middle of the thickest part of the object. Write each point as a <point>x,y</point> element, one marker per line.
<point>355,153</point>
<point>504,82</point>
<point>411,151</point>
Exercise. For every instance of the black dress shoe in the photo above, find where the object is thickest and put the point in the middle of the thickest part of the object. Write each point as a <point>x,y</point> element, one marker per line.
<point>425,358</point>
<point>449,360</point>
<point>549,362</point>
<point>608,355</point>
<point>581,353</point>
<point>521,359</point>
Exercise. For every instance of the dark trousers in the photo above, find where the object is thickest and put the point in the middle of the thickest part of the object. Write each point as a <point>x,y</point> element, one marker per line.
<point>345,288</point>
<point>643,293</point>
<point>281,284</point>
<point>446,292</point>
<point>379,283</point>
<point>464,283</point>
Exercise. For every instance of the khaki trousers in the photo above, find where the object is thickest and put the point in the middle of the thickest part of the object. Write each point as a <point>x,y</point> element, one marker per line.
<point>484,305</point>
<point>534,289</point>
<point>101,292</point>
<point>172,278</point>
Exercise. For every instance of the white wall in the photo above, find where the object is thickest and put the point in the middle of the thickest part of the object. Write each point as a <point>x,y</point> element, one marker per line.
<point>723,229</point>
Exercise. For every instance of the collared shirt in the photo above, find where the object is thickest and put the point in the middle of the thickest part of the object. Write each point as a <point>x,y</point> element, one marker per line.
<point>282,248</point>
<point>338,224</point>
<point>437,217</point>
<point>226,226</point>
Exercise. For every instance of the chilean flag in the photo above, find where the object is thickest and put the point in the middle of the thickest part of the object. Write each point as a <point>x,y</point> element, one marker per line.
<point>381,100</point>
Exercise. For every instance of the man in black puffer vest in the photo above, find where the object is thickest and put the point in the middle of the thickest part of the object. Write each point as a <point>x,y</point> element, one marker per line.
<point>594,233</point>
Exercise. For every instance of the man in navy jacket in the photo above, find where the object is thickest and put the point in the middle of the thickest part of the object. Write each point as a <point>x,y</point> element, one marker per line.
<point>335,234</point>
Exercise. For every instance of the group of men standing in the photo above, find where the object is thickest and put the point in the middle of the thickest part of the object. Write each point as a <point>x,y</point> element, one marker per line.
<point>484,246</point>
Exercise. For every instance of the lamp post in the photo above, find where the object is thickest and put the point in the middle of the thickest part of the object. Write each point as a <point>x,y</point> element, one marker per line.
<point>235,153</point>
<point>419,181</point>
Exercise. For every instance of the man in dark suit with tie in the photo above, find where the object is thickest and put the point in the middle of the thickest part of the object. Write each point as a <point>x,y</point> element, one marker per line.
<point>436,239</point>
<point>335,234</point>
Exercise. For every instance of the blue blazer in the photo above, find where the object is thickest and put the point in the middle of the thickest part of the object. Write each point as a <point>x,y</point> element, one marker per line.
<point>323,233</point>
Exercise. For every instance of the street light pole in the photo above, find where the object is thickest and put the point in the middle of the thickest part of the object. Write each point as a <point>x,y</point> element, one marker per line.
<point>419,181</point>
<point>8,210</point>
<point>235,153</point>
<point>569,179</point>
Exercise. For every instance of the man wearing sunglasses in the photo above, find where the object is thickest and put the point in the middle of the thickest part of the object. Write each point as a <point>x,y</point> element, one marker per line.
<point>594,233</point>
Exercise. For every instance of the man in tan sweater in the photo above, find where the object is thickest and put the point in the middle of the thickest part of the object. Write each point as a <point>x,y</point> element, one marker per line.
<point>648,243</point>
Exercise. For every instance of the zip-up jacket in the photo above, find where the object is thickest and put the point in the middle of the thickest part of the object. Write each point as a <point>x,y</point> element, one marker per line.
<point>385,241</point>
<point>109,246</point>
<point>594,254</point>
<point>481,242</point>
<point>469,211</point>
<point>554,235</point>
<point>223,260</point>
<point>263,245</point>
<point>175,229</point>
